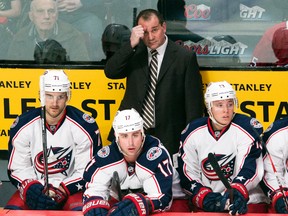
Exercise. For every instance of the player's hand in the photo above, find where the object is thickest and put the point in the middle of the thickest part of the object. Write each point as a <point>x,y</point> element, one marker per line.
<point>278,202</point>
<point>132,205</point>
<point>58,195</point>
<point>198,198</point>
<point>137,33</point>
<point>95,206</point>
<point>240,199</point>
<point>31,192</point>
<point>214,202</point>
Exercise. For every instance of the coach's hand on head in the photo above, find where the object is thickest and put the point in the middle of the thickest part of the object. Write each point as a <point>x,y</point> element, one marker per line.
<point>136,34</point>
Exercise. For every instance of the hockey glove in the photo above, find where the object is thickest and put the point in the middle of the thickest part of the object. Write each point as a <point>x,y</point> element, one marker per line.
<point>278,202</point>
<point>95,206</point>
<point>31,192</point>
<point>214,202</point>
<point>132,205</point>
<point>240,199</point>
<point>198,199</point>
<point>208,201</point>
<point>58,196</point>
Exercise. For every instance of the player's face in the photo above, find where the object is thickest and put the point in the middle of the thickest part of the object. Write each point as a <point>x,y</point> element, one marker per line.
<point>55,106</point>
<point>154,32</point>
<point>223,111</point>
<point>131,144</point>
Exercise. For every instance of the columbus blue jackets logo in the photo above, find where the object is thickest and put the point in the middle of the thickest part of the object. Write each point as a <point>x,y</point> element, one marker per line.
<point>88,118</point>
<point>255,123</point>
<point>226,163</point>
<point>104,152</point>
<point>153,153</point>
<point>59,160</point>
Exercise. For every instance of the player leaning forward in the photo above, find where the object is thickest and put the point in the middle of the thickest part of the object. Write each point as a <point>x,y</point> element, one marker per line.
<point>72,138</point>
<point>234,140</point>
<point>146,176</point>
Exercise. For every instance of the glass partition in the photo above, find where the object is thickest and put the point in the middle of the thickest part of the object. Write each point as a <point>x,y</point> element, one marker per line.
<point>223,33</point>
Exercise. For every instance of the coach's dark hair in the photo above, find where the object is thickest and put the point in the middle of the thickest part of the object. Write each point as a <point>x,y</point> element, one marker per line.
<point>147,13</point>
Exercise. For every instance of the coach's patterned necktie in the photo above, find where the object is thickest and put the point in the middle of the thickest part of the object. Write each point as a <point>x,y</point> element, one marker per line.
<point>149,105</point>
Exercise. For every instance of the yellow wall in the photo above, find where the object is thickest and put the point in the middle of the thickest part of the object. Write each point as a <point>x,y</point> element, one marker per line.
<point>262,94</point>
<point>91,91</point>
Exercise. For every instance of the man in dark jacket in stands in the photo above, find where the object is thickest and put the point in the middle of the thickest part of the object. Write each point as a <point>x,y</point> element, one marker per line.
<point>45,25</point>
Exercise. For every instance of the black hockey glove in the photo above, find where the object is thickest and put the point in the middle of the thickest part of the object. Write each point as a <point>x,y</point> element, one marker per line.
<point>31,192</point>
<point>58,196</point>
<point>214,202</point>
<point>278,202</point>
<point>95,206</point>
<point>132,205</point>
<point>240,199</point>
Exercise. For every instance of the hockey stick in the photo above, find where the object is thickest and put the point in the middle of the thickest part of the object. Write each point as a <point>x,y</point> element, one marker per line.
<point>115,185</point>
<point>217,169</point>
<point>44,135</point>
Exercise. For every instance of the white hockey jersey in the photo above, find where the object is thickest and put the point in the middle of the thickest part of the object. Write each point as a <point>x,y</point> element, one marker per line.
<point>236,148</point>
<point>152,174</point>
<point>276,139</point>
<point>70,147</point>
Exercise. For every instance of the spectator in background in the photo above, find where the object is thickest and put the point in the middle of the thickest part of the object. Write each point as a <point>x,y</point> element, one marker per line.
<point>263,54</point>
<point>45,25</point>
<point>79,14</point>
<point>280,46</point>
<point>9,11</point>
<point>72,139</point>
<point>178,95</point>
<point>50,52</point>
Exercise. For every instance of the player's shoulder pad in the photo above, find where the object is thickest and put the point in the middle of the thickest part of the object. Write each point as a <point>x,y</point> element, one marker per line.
<point>249,124</point>
<point>108,154</point>
<point>105,157</point>
<point>80,117</point>
<point>24,119</point>
<point>274,127</point>
<point>153,152</point>
<point>193,125</point>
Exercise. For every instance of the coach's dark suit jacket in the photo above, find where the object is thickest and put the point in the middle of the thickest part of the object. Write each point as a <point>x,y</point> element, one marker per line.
<point>178,97</point>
